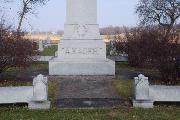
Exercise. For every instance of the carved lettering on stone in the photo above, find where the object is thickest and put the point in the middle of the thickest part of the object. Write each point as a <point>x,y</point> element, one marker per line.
<point>84,51</point>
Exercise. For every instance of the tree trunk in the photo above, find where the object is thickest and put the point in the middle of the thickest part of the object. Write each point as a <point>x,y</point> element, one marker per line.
<point>20,24</point>
<point>21,18</point>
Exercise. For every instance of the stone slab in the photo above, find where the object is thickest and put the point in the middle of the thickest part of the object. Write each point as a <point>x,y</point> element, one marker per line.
<point>86,87</point>
<point>81,67</point>
<point>39,105</point>
<point>146,94</point>
<point>143,104</point>
<point>36,96</point>
<point>82,49</point>
<point>164,93</point>
<point>22,94</point>
<point>86,92</point>
<point>89,103</point>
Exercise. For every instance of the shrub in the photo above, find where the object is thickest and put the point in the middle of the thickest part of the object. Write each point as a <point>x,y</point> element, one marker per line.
<point>149,46</point>
<point>15,50</point>
<point>142,45</point>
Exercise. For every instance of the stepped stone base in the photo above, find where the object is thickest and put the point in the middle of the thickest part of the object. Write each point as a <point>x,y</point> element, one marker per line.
<point>81,67</point>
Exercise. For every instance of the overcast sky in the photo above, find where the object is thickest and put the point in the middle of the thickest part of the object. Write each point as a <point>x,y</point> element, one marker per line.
<point>52,16</point>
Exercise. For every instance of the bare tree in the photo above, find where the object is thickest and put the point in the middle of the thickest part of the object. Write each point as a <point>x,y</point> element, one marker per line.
<point>159,12</point>
<point>27,7</point>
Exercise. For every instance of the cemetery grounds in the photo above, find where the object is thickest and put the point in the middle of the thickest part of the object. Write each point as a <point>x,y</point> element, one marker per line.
<point>122,85</point>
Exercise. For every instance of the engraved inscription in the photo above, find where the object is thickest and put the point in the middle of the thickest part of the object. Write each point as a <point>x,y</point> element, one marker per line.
<point>83,51</point>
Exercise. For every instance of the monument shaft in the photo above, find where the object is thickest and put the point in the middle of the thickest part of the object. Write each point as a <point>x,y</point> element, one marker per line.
<point>81,12</point>
<point>81,20</point>
<point>81,51</point>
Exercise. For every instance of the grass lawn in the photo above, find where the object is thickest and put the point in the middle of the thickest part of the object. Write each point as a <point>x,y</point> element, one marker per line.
<point>125,65</point>
<point>10,74</point>
<point>39,66</point>
<point>152,73</point>
<point>124,88</point>
<point>123,113</point>
<point>34,66</point>
<point>50,51</point>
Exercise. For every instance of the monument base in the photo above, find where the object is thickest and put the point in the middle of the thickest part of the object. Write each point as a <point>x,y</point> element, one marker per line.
<point>39,105</point>
<point>143,103</point>
<point>81,67</point>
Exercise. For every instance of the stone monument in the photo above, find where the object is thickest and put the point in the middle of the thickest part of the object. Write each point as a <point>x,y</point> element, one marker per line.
<point>41,47</point>
<point>35,96</point>
<point>81,51</point>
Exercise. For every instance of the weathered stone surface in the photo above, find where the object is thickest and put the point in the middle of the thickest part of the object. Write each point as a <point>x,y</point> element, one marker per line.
<point>40,92</point>
<point>146,95</point>
<point>22,94</point>
<point>90,103</point>
<point>81,67</point>
<point>86,92</point>
<point>86,87</point>
<point>141,88</point>
<point>164,93</point>
<point>82,49</point>
<point>33,95</point>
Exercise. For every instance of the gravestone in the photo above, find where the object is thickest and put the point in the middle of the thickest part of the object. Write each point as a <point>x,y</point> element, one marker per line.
<point>145,94</point>
<point>41,47</point>
<point>36,96</point>
<point>81,51</point>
